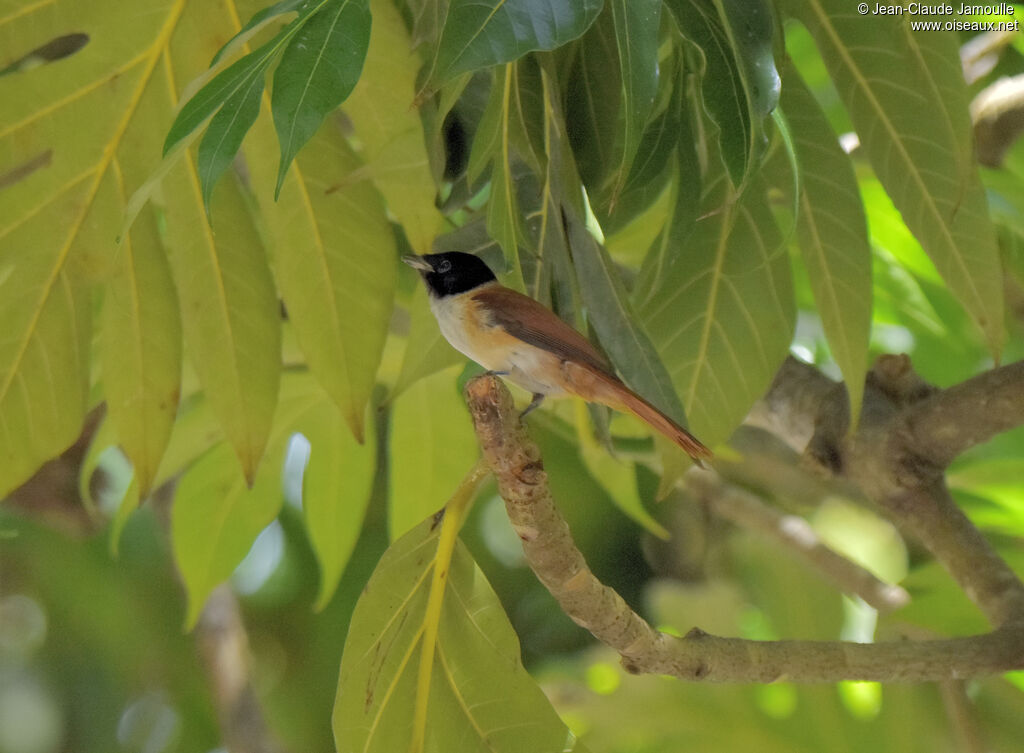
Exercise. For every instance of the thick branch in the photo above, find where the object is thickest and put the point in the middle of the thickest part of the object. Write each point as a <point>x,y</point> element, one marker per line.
<point>941,427</point>
<point>907,435</point>
<point>550,550</point>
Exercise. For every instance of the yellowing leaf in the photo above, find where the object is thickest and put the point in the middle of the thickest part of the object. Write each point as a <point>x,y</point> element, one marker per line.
<point>336,487</point>
<point>215,517</point>
<point>229,309</point>
<point>432,442</point>
<point>141,339</point>
<point>388,126</point>
<point>334,258</point>
<point>79,134</point>
<point>480,696</point>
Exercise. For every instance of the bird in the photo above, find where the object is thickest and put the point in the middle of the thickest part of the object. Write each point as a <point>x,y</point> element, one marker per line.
<point>512,335</point>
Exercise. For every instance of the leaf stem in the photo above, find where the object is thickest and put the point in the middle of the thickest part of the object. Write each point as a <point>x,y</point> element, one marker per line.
<point>452,516</point>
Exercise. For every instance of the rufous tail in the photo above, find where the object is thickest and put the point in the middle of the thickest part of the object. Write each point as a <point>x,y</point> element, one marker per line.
<point>647,413</point>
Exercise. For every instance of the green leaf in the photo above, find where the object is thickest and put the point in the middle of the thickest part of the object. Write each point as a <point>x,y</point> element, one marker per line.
<point>44,346</point>
<point>929,174</point>
<point>618,478</point>
<point>229,309</point>
<point>721,87</point>
<point>112,101</point>
<point>636,35</point>
<point>593,105</point>
<point>480,696</point>
<point>336,487</point>
<point>431,445</point>
<point>225,86</point>
<point>618,328</point>
<point>141,350</point>
<point>479,34</point>
<point>334,258</point>
<point>750,27</point>
<point>723,315</point>
<point>488,131</point>
<point>317,72</point>
<point>215,517</point>
<point>833,234</point>
<point>259,20</point>
<point>227,128</point>
<point>655,161</point>
<point>389,128</point>
<point>195,431</point>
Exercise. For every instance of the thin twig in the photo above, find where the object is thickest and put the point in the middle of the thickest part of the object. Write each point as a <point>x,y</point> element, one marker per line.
<point>553,556</point>
<point>961,717</point>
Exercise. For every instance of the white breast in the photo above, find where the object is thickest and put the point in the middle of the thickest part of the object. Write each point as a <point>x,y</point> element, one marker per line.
<point>520,364</point>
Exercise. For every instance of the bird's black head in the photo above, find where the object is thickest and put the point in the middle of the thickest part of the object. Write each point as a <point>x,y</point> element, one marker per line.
<point>451,273</point>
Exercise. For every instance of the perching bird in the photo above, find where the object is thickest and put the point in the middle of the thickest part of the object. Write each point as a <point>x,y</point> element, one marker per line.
<point>513,335</point>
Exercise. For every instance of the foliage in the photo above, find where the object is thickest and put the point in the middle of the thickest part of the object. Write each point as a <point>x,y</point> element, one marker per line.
<point>666,175</point>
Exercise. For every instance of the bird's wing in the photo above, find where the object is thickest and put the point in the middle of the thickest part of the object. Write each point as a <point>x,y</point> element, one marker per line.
<point>531,322</point>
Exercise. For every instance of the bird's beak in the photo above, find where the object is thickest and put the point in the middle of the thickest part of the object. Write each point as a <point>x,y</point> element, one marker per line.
<point>418,262</point>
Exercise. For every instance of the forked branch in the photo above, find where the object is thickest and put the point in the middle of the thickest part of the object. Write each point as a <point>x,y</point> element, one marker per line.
<point>553,556</point>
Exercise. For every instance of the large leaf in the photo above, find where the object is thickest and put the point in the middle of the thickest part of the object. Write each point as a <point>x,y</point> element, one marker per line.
<point>621,334</point>
<point>722,88</point>
<point>60,206</point>
<point>336,488</point>
<point>593,105</point>
<point>892,81</point>
<point>750,27</point>
<point>141,338</point>
<point>480,696</point>
<point>389,128</point>
<point>480,34</point>
<point>317,72</point>
<point>258,21</point>
<point>833,235</point>
<point>227,128</point>
<point>229,309</point>
<point>215,516</point>
<point>636,34</point>
<point>334,258</point>
<point>723,315</point>
<point>432,445</point>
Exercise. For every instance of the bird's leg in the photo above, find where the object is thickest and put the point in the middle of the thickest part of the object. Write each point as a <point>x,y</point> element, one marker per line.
<point>538,398</point>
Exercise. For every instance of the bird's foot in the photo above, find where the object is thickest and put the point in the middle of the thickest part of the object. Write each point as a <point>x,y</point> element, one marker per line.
<point>538,398</point>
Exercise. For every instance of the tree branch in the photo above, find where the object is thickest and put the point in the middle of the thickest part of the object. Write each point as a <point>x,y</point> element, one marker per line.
<point>942,427</point>
<point>908,433</point>
<point>796,534</point>
<point>224,647</point>
<point>551,553</point>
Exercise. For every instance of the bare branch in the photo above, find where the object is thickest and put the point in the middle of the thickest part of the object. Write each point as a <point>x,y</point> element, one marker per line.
<point>796,535</point>
<point>553,556</point>
<point>943,426</point>
<point>224,647</point>
<point>908,433</point>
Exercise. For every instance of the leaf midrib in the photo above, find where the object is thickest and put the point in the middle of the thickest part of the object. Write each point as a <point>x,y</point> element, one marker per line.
<point>883,118</point>
<point>109,152</point>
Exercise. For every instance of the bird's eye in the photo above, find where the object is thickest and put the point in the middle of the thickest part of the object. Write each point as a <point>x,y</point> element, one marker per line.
<point>444,267</point>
